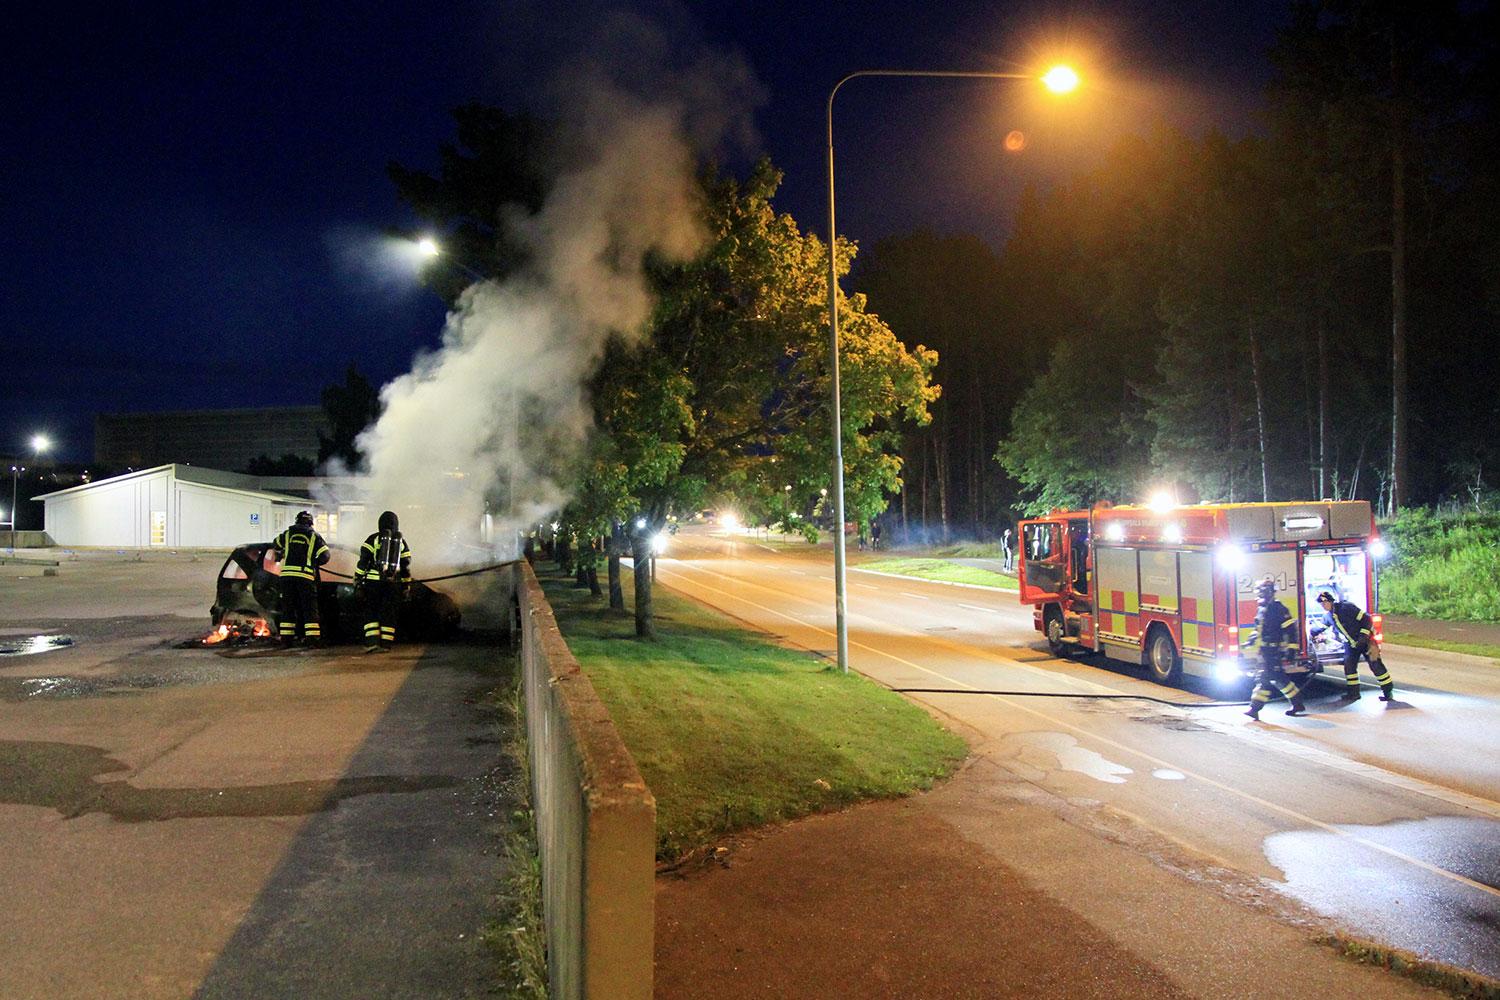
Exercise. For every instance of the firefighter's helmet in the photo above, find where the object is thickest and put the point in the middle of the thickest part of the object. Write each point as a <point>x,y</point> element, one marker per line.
<point>304,519</point>
<point>389,521</point>
<point>1327,596</point>
<point>1266,589</point>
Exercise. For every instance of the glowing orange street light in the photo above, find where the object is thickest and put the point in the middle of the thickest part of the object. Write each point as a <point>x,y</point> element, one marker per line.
<point>1060,80</point>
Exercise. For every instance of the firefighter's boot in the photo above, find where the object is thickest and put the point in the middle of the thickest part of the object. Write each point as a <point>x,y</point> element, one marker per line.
<point>1294,695</point>
<point>1387,692</point>
<point>1254,711</point>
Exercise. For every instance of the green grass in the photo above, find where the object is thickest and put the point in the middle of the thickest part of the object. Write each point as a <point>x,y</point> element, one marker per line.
<point>941,569</point>
<point>732,731</point>
<point>1442,566</point>
<point>1472,648</point>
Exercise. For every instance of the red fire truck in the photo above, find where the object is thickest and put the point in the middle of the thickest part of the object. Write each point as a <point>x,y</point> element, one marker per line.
<point>1171,588</point>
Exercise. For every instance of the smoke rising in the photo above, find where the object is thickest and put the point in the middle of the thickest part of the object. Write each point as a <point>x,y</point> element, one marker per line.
<point>475,428</point>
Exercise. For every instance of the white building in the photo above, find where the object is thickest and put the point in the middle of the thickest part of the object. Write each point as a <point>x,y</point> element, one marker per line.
<point>172,506</point>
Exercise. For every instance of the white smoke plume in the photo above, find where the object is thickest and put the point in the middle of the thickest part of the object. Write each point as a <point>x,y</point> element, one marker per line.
<point>475,423</point>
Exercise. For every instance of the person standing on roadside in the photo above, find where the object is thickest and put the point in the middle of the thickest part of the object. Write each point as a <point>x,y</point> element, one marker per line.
<point>301,550</point>
<point>383,575</point>
<point>1005,550</point>
<point>1357,630</point>
<point>1276,636</point>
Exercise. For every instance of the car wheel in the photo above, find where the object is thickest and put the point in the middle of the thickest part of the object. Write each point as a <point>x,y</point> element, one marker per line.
<point>1162,661</point>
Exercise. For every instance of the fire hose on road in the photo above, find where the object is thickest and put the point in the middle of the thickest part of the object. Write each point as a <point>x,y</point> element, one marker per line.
<point>433,579</point>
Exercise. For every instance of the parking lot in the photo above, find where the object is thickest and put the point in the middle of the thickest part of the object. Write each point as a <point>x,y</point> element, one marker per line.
<point>228,822</point>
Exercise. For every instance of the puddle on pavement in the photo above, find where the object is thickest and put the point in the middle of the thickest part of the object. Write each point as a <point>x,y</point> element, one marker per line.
<point>27,645</point>
<point>1070,756</point>
<point>1394,901</point>
<point>62,776</point>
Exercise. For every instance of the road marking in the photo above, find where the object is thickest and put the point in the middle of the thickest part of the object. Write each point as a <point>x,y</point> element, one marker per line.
<point>975,607</point>
<point>866,586</point>
<point>907,593</point>
<point>1086,734</point>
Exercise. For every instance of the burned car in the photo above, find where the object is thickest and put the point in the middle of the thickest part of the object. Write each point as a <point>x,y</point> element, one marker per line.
<point>247,600</point>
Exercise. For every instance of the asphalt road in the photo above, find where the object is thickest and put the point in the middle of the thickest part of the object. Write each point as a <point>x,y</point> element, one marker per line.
<point>199,823</point>
<point>1382,822</point>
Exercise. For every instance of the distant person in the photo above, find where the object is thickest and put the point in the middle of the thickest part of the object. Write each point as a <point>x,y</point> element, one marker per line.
<point>383,574</point>
<point>1357,630</point>
<point>1005,550</point>
<point>301,550</point>
<point>1276,636</point>
<point>875,534</point>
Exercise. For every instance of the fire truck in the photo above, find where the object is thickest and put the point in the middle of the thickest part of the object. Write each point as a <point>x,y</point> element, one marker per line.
<point>1170,588</point>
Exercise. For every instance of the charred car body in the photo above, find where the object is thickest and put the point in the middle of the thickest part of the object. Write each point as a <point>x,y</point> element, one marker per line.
<point>248,590</point>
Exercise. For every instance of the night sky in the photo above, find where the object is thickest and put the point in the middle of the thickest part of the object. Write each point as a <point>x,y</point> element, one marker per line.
<point>192,191</point>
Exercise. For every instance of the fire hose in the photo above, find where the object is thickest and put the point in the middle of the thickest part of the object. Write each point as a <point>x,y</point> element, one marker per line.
<point>432,579</point>
<point>1064,694</point>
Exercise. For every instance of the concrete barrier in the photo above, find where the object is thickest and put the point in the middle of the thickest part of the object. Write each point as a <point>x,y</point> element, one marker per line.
<point>595,819</point>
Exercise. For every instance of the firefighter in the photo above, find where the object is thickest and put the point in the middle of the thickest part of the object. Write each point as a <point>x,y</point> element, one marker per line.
<point>1357,630</point>
<point>383,575</point>
<point>1276,635</point>
<point>301,551</point>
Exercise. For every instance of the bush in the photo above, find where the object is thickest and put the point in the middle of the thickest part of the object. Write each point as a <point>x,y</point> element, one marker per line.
<point>1442,566</point>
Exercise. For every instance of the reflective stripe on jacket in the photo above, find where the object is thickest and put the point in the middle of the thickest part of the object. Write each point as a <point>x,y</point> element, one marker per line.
<point>302,552</point>
<point>1352,624</point>
<point>1275,628</point>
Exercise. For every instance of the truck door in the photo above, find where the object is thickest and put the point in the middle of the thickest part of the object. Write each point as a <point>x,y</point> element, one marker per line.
<point>1044,561</point>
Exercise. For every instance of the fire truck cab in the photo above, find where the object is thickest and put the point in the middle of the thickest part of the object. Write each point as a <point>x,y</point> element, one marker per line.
<point>1174,588</point>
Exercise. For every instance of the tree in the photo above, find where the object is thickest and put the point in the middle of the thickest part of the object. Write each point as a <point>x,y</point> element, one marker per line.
<point>350,408</point>
<point>728,392</point>
<point>945,292</point>
<point>493,173</point>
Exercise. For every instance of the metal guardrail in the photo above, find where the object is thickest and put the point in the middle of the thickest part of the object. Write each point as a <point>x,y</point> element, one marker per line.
<point>595,818</point>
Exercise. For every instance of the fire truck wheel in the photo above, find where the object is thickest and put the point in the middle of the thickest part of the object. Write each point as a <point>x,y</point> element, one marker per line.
<point>1162,661</point>
<point>1055,631</point>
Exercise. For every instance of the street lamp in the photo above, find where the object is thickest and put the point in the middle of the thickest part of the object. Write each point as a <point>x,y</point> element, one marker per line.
<point>1059,79</point>
<point>39,444</point>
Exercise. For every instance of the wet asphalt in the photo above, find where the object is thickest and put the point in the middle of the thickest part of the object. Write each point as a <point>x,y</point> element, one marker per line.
<point>240,821</point>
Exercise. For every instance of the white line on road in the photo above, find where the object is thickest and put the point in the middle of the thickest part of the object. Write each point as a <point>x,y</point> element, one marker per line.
<point>866,586</point>
<point>907,593</point>
<point>975,607</point>
<point>1089,735</point>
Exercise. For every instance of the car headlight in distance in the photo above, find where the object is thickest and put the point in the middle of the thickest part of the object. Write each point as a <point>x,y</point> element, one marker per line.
<point>659,542</point>
<point>729,520</point>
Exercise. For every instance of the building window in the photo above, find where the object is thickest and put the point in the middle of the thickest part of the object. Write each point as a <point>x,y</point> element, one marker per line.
<point>158,527</point>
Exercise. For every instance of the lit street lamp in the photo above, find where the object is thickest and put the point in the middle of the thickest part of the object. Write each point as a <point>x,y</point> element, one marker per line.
<point>1060,80</point>
<point>39,444</point>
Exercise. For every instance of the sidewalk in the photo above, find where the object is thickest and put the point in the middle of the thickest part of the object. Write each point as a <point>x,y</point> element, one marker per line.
<point>982,888</point>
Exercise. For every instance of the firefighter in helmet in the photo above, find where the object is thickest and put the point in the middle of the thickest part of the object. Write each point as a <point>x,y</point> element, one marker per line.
<point>1355,627</point>
<point>1276,636</point>
<point>301,551</point>
<point>383,574</point>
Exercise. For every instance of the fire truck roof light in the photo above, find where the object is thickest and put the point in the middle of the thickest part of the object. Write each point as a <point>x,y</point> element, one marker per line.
<point>1162,501</point>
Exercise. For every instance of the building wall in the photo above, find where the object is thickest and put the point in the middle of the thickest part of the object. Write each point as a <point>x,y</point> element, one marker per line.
<point>159,510</point>
<point>218,439</point>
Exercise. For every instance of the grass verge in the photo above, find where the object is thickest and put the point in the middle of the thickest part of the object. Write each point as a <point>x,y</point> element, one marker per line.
<point>732,731</point>
<point>1472,648</point>
<point>517,936</point>
<point>943,570</point>
<point>1442,566</point>
<point>1455,982</point>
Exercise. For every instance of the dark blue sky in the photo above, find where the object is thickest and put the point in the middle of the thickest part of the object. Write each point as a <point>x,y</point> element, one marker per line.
<point>189,188</point>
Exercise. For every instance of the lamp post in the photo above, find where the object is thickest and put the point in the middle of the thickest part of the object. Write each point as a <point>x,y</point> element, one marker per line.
<point>1059,79</point>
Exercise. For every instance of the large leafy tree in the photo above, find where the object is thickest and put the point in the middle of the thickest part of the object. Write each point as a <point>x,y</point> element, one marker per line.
<point>728,394</point>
